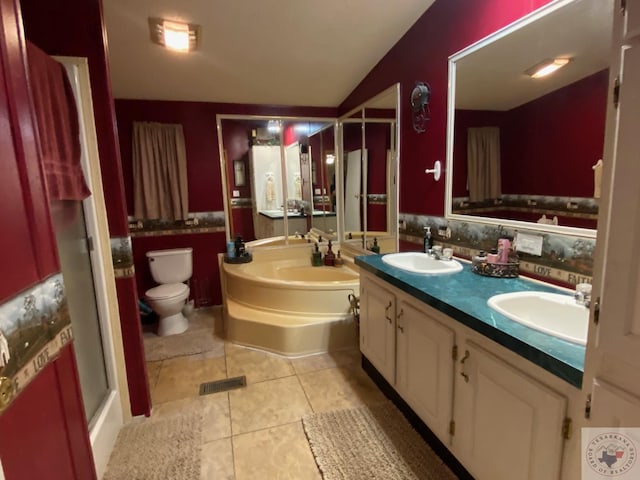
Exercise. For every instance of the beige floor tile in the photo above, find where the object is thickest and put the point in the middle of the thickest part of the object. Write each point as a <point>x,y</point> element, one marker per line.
<point>275,453</point>
<point>321,361</point>
<point>217,460</point>
<point>181,377</point>
<point>204,318</point>
<point>153,371</point>
<point>336,388</point>
<point>267,404</point>
<point>257,366</point>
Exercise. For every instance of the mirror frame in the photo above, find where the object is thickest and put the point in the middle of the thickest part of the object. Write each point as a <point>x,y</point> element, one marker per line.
<point>224,174</point>
<point>515,224</point>
<point>392,170</point>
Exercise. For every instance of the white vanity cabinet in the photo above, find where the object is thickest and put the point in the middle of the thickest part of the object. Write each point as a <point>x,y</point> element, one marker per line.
<point>493,409</point>
<point>411,349</point>
<point>507,424</point>
<point>424,366</point>
<point>378,326</point>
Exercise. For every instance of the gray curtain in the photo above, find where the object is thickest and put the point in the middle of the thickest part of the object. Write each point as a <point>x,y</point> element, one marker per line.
<point>159,171</point>
<point>483,163</point>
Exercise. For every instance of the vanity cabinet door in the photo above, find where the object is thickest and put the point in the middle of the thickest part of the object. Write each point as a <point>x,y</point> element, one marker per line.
<point>377,327</point>
<point>425,367</point>
<point>507,425</point>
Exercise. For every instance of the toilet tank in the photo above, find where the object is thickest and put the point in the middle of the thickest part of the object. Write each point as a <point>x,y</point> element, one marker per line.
<point>171,266</point>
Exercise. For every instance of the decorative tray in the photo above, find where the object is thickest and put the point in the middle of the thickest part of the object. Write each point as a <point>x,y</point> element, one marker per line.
<point>498,270</point>
<point>246,258</point>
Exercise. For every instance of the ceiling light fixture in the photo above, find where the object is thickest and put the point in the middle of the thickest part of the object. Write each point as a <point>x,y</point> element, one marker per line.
<point>546,67</point>
<point>177,36</point>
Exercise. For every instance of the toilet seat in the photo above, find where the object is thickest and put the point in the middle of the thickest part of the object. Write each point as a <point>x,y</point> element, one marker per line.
<point>167,290</point>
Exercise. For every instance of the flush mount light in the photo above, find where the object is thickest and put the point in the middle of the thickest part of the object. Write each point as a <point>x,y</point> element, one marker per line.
<point>330,159</point>
<point>546,67</point>
<point>178,36</point>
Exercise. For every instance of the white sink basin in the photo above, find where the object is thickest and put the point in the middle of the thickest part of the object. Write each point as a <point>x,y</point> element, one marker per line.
<point>552,313</point>
<point>418,262</point>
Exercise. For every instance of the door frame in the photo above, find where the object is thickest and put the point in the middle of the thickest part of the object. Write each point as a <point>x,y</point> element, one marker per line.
<point>106,423</point>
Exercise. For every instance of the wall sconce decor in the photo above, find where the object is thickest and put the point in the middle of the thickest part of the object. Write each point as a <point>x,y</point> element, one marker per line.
<point>420,96</point>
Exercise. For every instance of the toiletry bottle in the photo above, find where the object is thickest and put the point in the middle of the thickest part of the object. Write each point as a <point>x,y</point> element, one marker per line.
<point>338,262</point>
<point>231,249</point>
<point>493,256</point>
<point>329,257</point>
<point>375,248</point>
<point>504,247</point>
<point>237,245</point>
<point>316,257</point>
<point>428,240</point>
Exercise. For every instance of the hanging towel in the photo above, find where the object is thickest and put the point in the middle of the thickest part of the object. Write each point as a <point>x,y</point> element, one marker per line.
<point>58,127</point>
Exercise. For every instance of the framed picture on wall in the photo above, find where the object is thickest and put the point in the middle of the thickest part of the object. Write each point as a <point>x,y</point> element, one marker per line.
<point>239,173</point>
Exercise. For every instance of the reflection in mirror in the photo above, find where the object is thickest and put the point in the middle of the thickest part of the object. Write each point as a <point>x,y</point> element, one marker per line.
<point>323,160</point>
<point>370,152</point>
<point>524,149</point>
<point>276,198</point>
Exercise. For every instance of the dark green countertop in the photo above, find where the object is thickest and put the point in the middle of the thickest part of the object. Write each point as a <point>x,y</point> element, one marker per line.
<point>463,296</point>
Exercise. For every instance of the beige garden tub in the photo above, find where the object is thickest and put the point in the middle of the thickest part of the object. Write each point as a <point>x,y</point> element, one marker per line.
<point>280,303</point>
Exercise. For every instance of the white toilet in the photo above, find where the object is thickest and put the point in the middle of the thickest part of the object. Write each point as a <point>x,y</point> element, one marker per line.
<point>170,268</point>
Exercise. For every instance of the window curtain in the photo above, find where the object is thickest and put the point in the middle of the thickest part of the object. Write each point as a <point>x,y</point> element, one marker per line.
<point>159,172</point>
<point>483,163</point>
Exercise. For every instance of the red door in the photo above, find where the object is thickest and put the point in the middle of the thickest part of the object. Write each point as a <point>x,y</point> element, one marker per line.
<point>43,432</point>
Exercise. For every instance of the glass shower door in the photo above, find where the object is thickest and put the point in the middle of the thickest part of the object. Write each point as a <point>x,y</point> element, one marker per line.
<point>75,261</point>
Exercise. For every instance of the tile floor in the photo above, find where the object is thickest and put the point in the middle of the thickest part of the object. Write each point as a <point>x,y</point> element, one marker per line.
<point>256,432</point>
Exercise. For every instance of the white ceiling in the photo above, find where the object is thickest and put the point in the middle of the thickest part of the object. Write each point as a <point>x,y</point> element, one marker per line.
<point>277,52</point>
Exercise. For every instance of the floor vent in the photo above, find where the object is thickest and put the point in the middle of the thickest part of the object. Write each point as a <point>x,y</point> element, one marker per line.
<point>223,385</point>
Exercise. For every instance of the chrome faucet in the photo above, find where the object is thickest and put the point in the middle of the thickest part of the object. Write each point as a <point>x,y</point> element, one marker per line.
<point>583,294</point>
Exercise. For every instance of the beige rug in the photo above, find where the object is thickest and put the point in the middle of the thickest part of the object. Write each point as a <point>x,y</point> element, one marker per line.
<point>371,442</point>
<point>167,448</point>
<point>198,338</point>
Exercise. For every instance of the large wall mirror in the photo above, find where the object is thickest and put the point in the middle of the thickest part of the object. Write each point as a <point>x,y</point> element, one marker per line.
<point>276,175</point>
<point>369,168</point>
<point>525,150</point>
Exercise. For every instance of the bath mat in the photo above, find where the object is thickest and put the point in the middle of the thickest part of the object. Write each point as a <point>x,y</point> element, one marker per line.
<point>198,338</point>
<point>167,448</point>
<point>371,442</point>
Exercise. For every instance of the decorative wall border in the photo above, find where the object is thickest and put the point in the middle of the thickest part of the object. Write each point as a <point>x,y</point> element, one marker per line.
<point>34,326</point>
<point>198,222</point>
<point>565,259</point>
<point>122,254</point>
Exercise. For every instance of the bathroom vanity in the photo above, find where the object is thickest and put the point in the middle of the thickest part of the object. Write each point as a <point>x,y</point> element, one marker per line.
<point>498,394</point>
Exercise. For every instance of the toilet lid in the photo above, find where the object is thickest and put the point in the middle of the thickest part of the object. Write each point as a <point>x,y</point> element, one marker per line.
<point>167,290</point>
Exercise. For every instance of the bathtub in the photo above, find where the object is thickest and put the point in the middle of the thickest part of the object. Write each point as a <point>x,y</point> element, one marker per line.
<point>282,304</point>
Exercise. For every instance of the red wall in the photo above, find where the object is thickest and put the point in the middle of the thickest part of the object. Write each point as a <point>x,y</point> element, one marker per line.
<point>422,55</point>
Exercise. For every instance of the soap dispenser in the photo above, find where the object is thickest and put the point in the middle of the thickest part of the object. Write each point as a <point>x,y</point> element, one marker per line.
<point>375,248</point>
<point>316,257</point>
<point>428,240</point>
<point>329,257</point>
<point>338,262</point>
